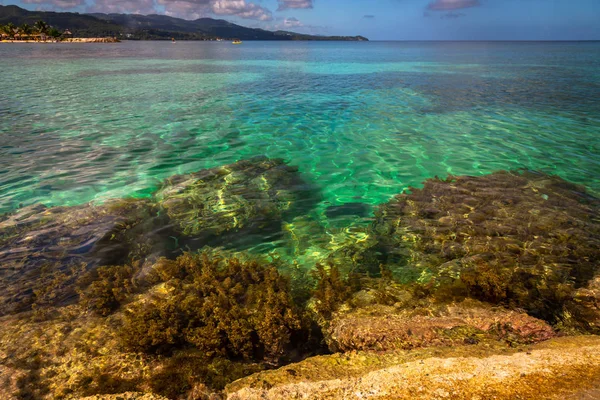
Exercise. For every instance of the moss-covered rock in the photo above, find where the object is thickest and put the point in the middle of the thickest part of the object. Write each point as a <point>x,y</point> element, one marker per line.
<point>249,195</point>
<point>523,239</point>
<point>44,250</point>
<point>557,369</point>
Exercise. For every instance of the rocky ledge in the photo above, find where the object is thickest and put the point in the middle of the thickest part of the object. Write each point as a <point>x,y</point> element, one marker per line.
<point>564,368</point>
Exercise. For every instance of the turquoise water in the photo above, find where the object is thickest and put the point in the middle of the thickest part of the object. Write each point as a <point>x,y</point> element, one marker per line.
<point>88,122</point>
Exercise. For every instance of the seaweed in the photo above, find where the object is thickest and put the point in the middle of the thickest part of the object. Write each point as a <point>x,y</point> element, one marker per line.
<point>223,307</point>
<point>107,287</point>
<point>331,290</point>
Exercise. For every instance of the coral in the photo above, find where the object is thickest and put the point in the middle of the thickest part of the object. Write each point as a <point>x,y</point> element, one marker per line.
<point>252,195</point>
<point>221,307</point>
<point>523,239</point>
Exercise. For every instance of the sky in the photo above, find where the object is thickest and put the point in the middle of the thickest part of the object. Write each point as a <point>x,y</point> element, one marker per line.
<point>375,19</point>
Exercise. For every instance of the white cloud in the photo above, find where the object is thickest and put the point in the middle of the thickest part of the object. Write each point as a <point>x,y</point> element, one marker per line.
<point>287,4</point>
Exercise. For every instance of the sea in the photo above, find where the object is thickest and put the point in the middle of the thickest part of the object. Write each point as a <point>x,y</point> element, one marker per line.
<point>363,121</point>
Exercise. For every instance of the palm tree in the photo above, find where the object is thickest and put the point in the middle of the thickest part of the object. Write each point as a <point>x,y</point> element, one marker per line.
<point>41,27</point>
<point>10,29</point>
<point>26,29</point>
<point>54,33</point>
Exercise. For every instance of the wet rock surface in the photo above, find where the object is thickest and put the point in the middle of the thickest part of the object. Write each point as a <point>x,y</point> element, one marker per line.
<point>384,328</point>
<point>557,369</point>
<point>44,247</point>
<point>248,195</point>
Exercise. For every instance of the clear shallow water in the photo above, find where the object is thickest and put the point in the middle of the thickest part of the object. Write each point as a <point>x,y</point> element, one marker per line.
<point>82,122</point>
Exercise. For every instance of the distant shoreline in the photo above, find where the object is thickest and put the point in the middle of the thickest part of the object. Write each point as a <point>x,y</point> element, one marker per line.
<point>68,40</point>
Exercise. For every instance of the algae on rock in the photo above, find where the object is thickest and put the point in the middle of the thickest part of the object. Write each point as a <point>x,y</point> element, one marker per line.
<point>523,239</point>
<point>254,194</point>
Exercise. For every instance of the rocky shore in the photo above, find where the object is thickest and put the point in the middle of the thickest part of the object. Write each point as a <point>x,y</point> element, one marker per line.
<point>469,287</point>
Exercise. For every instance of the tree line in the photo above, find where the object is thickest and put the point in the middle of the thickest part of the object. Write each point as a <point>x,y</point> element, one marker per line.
<point>40,30</point>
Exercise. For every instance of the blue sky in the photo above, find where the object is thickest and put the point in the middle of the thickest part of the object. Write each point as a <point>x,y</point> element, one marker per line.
<point>376,19</point>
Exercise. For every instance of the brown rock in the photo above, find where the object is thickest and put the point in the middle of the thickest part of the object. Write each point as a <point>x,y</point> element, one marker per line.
<point>383,328</point>
<point>556,369</point>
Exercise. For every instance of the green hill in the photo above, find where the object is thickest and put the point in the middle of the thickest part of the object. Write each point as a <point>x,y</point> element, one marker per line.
<point>150,27</point>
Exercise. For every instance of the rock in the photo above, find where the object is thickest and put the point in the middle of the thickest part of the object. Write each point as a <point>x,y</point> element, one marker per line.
<point>125,396</point>
<point>526,240</point>
<point>46,248</point>
<point>557,369</point>
<point>384,328</point>
<point>582,313</point>
<point>250,195</point>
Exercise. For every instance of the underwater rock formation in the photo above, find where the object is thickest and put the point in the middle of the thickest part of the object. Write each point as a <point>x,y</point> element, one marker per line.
<point>562,368</point>
<point>384,328</point>
<point>523,239</point>
<point>43,250</point>
<point>254,194</point>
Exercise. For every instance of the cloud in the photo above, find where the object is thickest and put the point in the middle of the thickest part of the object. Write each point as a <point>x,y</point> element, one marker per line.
<point>448,5</point>
<point>368,16</point>
<point>288,4</point>
<point>242,9</point>
<point>57,3</point>
<point>188,9</point>
<point>452,15</point>
<point>291,23</point>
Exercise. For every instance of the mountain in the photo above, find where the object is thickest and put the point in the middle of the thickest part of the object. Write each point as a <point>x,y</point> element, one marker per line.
<point>81,24</point>
<point>150,27</point>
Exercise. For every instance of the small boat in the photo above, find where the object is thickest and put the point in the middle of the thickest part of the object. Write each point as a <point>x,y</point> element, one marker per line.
<point>237,41</point>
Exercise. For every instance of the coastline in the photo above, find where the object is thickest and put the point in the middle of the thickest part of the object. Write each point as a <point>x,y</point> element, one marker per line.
<point>69,40</point>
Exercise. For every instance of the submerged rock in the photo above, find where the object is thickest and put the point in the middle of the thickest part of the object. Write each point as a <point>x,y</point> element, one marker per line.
<point>248,195</point>
<point>43,250</point>
<point>526,240</point>
<point>556,369</point>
